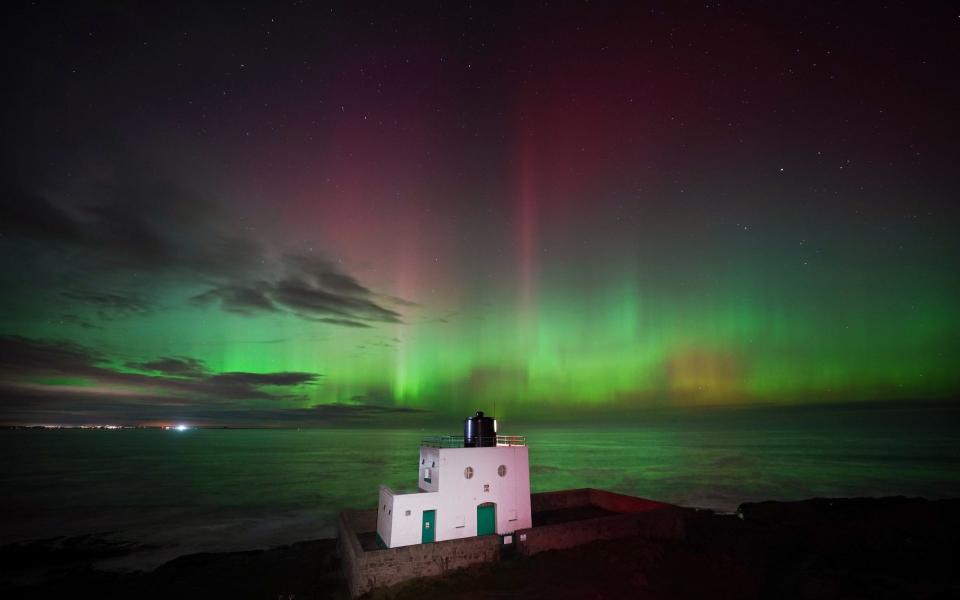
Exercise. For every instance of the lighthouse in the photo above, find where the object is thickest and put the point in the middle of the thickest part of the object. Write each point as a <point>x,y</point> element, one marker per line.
<point>470,485</point>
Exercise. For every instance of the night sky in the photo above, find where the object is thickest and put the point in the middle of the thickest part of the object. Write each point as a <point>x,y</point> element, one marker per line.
<point>306,214</point>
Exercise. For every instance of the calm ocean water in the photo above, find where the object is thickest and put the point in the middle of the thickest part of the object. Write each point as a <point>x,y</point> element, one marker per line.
<point>216,490</point>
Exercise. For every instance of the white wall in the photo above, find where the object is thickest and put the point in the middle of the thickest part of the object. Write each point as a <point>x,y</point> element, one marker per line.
<point>385,514</point>
<point>460,496</point>
<point>455,498</point>
<point>395,527</point>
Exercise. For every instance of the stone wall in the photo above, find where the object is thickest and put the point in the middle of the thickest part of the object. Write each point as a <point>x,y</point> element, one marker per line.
<point>366,570</point>
<point>662,523</point>
<point>545,501</point>
<point>612,501</point>
<point>622,503</point>
<point>639,517</point>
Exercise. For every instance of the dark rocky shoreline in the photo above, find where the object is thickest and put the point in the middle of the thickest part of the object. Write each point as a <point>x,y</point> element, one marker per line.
<point>821,548</point>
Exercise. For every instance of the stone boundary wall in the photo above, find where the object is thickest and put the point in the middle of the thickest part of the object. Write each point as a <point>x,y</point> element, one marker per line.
<point>611,501</point>
<point>366,570</point>
<point>639,517</point>
<point>662,524</point>
<point>348,546</point>
<point>622,503</point>
<point>545,501</point>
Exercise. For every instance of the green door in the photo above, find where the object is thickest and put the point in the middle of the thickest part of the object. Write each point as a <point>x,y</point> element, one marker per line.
<point>429,524</point>
<point>486,519</point>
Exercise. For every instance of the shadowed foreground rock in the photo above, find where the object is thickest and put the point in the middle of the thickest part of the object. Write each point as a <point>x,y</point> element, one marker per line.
<point>822,548</point>
<point>305,570</point>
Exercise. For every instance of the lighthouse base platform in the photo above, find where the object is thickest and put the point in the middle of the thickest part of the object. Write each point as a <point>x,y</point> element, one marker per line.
<point>561,519</point>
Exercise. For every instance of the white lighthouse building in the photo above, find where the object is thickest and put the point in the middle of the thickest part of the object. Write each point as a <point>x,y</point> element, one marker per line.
<point>477,484</point>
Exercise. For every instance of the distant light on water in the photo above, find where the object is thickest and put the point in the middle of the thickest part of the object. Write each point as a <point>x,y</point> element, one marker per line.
<point>181,427</point>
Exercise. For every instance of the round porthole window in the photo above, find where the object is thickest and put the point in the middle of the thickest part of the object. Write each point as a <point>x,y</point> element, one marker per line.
<point>468,472</point>
<point>502,470</point>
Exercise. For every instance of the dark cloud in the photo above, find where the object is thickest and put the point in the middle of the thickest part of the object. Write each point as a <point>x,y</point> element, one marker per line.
<point>242,300</point>
<point>40,408</point>
<point>344,322</point>
<point>139,221</point>
<point>175,366</point>
<point>312,289</point>
<point>143,223</point>
<point>111,305</point>
<point>93,249</point>
<point>26,365</point>
<point>259,379</point>
<point>146,223</point>
<point>375,396</point>
<point>321,273</point>
<point>312,300</point>
<point>20,355</point>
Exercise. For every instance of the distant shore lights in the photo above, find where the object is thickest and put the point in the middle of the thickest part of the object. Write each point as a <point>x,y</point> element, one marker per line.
<point>178,427</point>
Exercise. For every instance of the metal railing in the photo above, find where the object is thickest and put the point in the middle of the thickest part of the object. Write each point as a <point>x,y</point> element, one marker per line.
<point>456,441</point>
<point>443,441</point>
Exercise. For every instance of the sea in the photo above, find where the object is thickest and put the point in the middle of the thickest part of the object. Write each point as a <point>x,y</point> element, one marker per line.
<point>169,493</point>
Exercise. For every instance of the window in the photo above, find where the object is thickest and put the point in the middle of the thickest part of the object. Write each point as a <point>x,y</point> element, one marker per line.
<point>502,470</point>
<point>468,472</point>
<point>406,514</point>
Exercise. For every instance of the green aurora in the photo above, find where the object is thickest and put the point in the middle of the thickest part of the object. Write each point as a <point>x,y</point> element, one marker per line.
<point>586,237</point>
